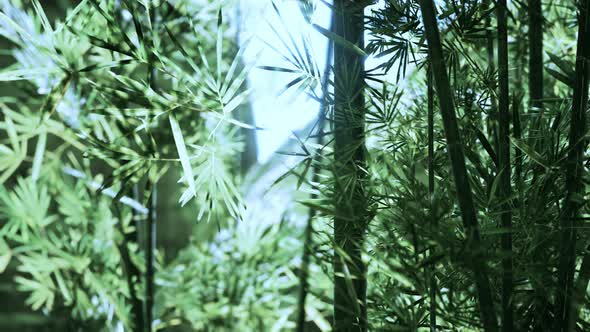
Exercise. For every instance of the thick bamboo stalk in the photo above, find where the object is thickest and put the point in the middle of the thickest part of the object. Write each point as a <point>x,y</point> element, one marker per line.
<point>457,157</point>
<point>535,53</point>
<point>564,307</point>
<point>504,164</point>
<point>350,313</point>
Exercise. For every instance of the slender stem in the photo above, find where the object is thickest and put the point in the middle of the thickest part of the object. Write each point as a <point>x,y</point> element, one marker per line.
<point>433,223</point>
<point>153,199</point>
<point>149,257</point>
<point>517,132</point>
<point>574,177</point>
<point>308,236</point>
<point>350,313</point>
<point>492,118</point>
<point>245,113</point>
<point>504,164</point>
<point>455,149</point>
<point>535,67</point>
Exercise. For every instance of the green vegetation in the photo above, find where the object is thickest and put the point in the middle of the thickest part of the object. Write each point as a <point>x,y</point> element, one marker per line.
<point>442,186</point>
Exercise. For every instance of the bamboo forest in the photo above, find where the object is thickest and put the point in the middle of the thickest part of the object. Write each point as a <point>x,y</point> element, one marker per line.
<point>294,165</point>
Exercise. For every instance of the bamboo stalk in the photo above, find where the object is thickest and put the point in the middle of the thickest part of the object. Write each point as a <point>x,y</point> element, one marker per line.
<point>350,313</point>
<point>245,113</point>
<point>149,257</point>
<point>504,164</point>
<point>131,271</point>
<point>564,320</point>
<point>457,157</point>
<point>580,288</point>
<point>535,78</point>
<point>308,235</point>
<point>433,223</point>
<point>535,53</point>
<point>492,119</point>
<point>517,132</point>
<point>150,245</point>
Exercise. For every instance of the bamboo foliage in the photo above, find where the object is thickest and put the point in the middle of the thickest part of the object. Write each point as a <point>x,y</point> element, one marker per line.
<point>414,202</point>
<point>455,150</point>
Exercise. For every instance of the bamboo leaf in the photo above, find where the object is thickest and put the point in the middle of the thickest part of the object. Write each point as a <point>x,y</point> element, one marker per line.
<point>183,154</point>
<point>520,144</point>
<point>41,13</point>
<point>5,255</point>
<point>339,40</point>
<point>38,159</point>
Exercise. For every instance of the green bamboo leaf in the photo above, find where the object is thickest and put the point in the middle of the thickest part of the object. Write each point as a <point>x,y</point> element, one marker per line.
<point>219,46</point>
<point>178,46</point>
<point>38,160</point>
<point>7,20</point>
<point>55,97</point>
<point>106,65</point>
<point>520,144</point>
<point>183,154</point>
<point>26,74</point>
<point>567,80</point>
<point>566,67</point>
<point>41,13</point>
<point>339,40</point>
<point>278,69</point>
<point>5,255</point>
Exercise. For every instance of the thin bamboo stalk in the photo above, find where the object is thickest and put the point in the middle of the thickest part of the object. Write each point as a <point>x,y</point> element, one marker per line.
<point>504,164</point>
<point>457,157</point>
<point>150,257</point>
<point>150,245</point>
<point>433,222</point>
<point>492,119</point>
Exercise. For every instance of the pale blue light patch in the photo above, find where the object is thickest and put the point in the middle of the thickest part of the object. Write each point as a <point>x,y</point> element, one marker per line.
<point>279,115</point>
<point>69,107</point>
